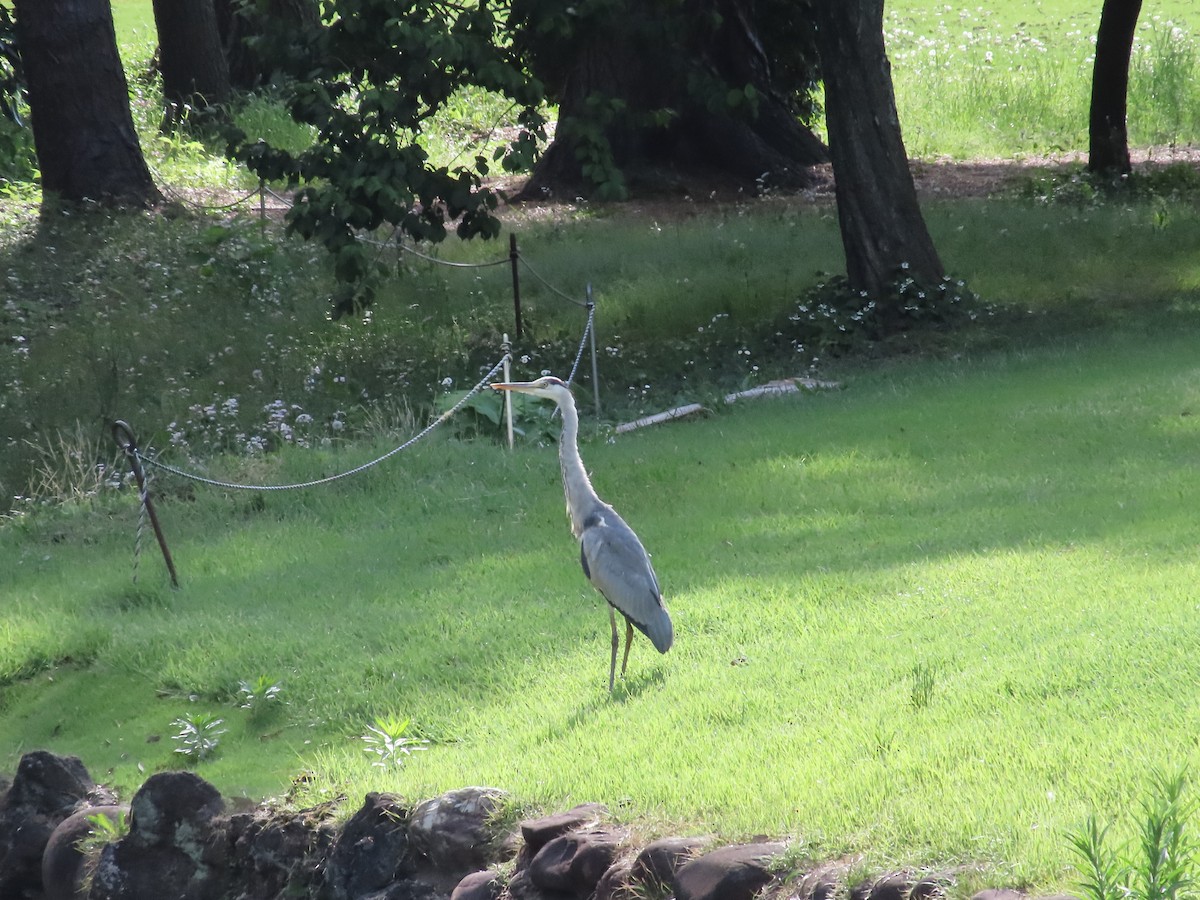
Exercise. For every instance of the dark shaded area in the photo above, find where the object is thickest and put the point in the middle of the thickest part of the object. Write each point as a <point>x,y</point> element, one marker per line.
<point>653,96</point>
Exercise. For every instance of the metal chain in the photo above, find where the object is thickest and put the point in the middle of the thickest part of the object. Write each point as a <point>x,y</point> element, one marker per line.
<point>548,285</point>
<point>444,262</point>
<point>591,308</point>
<point>170,190</point>
<point>141,527</point>
<point>356,470</point>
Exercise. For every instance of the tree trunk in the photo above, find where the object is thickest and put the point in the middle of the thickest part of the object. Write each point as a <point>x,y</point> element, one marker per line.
<point>190,56</point>
<point>621,58</point>
<point>79,104</point>
<point>248,68</point>
<point>1108,140</point>
<point>883,231</point>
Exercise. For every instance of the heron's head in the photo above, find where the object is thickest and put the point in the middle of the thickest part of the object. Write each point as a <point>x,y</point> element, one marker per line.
<point>547,386</point>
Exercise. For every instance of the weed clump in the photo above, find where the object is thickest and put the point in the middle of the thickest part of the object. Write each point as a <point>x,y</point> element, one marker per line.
<point>834,319</point>
<point>1161,862</point>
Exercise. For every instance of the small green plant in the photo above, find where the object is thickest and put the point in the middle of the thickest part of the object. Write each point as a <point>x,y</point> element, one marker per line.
<point>104,830</point>
<point>1161,864</point>
<point>388,739</point>
<point>1100,870</point>
<point>198,736</point>
<point>533,419</point>
<point>923,678</point>
<point>258,695</point>
<point>1166,854</point>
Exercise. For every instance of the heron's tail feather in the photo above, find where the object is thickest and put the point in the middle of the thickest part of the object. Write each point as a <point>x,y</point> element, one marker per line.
<point>659,629</point>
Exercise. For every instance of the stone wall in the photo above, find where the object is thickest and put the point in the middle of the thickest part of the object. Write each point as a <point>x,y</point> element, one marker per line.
<point>184,843</point>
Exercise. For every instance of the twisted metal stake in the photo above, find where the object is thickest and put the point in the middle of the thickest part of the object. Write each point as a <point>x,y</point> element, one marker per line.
<point>125,439</point>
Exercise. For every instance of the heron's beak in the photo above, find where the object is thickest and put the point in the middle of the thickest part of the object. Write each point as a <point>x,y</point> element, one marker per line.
<point>511,386</point>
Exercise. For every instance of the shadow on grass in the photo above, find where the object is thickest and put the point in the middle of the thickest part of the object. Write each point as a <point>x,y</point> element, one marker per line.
<point>624,690</point>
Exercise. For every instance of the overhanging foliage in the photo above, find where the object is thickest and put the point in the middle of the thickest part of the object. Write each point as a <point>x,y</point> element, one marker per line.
<point>368,79</point>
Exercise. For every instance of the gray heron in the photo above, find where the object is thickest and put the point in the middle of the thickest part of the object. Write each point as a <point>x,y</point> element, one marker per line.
<point>613,558</point>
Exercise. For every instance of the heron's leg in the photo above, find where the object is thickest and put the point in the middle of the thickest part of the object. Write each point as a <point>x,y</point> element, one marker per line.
<point>628,641</point>
<point>616,642</point>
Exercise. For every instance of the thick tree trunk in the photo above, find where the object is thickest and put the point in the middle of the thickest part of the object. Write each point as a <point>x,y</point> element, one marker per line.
<point>190,56</point>
<point>762,142</point>
<point>79,104</point>
<point>883,231</point>
<point>1108,140</point>
<point>235,22</point>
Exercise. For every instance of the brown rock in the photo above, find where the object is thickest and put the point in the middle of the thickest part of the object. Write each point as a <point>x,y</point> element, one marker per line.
<point>280,852</point>
<point>539,832</point>
<point>521,887</point>
<point>62,863</point>
<point>893,886</point>
<point>452,832</point>
<point>615,883</point>
<point>485,885</point>
<point>931,886</point>
<point>46,790</point>
<point>730,873</point>
<point>658,861</point>
<point>372,851</point>
<point>176,846</point>
<point>573,863</point>
<point>819,884</point>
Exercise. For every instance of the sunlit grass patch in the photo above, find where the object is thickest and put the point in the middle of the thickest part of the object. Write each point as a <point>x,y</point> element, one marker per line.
<point>975,82</point>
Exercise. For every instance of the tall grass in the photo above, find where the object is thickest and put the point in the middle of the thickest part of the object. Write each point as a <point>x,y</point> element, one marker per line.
<point>1166,66</point>
<point>109,330</point>
<point>975,82</point>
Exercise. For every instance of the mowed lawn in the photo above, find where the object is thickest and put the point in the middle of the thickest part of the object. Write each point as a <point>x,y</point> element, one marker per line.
<point>937,616</point>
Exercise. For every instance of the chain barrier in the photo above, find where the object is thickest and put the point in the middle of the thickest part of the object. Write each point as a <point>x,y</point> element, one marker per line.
<point>123,434</point>
<point>171,191</point>
<point>446,262</point>
<point>587,330</point>
<point>124,437</point>
<point>580,303</point>
<point>213,482</point>
<point>143,497</point>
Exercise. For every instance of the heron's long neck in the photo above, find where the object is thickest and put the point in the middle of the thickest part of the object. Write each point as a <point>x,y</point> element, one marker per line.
<point>581,497</point>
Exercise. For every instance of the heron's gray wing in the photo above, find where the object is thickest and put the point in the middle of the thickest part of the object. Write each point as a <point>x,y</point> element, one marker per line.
<point>615,561</point>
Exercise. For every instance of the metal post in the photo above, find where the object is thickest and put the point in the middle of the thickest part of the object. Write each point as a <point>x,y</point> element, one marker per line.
<point>514,257</point>
<point>508,418</point>
<point>591,305</point>
<point>123,435</point>
<point>262,203</point>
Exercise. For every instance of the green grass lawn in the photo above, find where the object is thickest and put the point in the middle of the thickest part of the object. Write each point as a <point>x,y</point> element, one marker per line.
<point>938,616</point>
<point>1014,79</point>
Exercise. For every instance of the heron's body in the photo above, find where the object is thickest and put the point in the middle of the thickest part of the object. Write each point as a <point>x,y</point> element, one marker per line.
<point>613,558</point>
